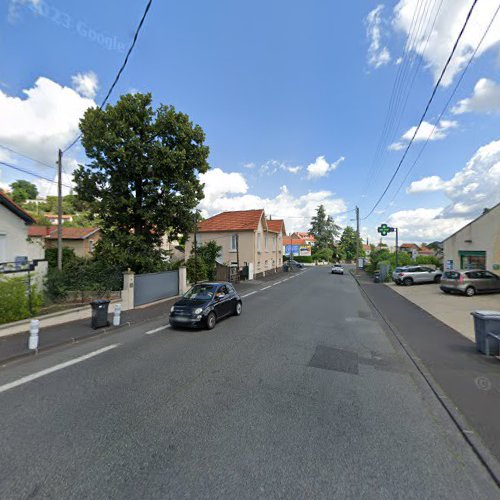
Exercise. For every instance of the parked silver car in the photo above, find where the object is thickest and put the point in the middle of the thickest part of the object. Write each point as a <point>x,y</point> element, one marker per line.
<point>410,275</point>
<point>470,282</point>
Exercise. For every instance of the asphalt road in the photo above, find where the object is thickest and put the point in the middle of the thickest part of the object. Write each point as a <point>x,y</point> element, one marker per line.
<point>303,396</point>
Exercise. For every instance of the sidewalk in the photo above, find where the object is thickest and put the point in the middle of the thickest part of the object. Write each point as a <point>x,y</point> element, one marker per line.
<point>14,346</point>
<point>468,378</point>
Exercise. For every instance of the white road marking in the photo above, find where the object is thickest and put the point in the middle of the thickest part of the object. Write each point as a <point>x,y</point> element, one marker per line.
<point>54,368</point>
<point>248,294</point>
<point>266,287</point>
<point>278,282</point>
<point>150,332</point>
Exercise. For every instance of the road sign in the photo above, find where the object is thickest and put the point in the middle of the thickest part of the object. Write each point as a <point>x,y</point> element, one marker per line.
<point>384,229</point>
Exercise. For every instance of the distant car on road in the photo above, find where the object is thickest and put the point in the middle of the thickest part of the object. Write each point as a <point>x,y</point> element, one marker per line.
<point>410,275</point>
<point>296,264</point>
<point>337,269</point>
<point>205,304</point>
<point>470,282</point>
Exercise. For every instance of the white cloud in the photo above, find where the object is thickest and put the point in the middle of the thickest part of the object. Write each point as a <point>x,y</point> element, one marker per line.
<point>485,99</point>
<point>249,165</point>
<point>44,120</point>
<point>13,12</point>
<point>86,84</point>
<point>229,191</point>
<point>425,224</point>
<point>320,167</point>
<point>445,31</point>
<point>426,131</point>
<point>273,166</point>
<point>378,54</point>
<point>470,191</point>
<point>432,183</point>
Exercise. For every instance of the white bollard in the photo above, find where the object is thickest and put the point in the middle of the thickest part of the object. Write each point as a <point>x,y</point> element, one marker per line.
<point>33,338</point>
<point>116,317</point>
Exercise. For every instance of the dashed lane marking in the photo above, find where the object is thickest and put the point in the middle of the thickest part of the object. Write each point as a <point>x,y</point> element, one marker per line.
<point>54,368</point>
<point>159,329</point>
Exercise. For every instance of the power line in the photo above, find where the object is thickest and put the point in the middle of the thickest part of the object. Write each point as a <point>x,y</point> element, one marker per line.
<point>459,81</point>
<point>26,156</point>
<point>429,102</point>
<point>120,71</point>
<point>28,172</point>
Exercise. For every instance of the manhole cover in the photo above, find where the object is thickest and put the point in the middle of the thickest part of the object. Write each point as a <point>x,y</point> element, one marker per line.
<point>330,358</point>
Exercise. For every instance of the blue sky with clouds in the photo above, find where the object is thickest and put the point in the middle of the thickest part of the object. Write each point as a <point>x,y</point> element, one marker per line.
<point>293,97</point>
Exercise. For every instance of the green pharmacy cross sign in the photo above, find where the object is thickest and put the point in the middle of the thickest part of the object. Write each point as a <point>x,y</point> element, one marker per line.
<point>384,229</point>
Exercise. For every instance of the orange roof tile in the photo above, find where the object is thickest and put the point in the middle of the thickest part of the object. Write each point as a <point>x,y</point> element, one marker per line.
<point>276,225</point>
<point>73,233</point>
<point>288,240</point>
<point>240,220</point>
<point>40,231</point>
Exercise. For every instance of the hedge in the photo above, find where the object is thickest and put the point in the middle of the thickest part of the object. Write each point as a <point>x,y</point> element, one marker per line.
<point>14,299</point>
<point>303,258</point>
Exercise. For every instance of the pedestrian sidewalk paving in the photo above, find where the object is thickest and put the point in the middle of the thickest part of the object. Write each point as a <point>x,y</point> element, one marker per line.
<point>469,380</point>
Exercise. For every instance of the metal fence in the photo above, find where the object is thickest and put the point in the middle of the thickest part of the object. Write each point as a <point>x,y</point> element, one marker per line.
<point>155,286</point>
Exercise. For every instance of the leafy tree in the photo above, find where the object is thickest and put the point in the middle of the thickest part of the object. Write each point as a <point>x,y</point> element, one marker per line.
<point>22,190</point>
<point>196,269</point>
<point>208,252</point>
<point>142,180</point>
<point>323,228</point>
<point>348,243</point>
<point>325,254</point>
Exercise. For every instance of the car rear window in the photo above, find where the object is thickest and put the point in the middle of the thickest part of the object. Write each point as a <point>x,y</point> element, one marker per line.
<point>451,275</point>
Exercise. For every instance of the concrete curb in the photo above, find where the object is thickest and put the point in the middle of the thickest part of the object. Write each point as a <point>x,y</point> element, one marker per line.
<point>472,439</point>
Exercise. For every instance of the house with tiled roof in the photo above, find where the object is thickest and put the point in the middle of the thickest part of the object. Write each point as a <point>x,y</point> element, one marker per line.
<point>14,224</point>
<point>308,238</point>
<point>81,240</point>
<point>247,238</point>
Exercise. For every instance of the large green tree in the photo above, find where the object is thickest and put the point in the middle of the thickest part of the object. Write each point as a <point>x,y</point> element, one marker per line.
<point>142,180</point>
<point>324,229</point>
<point>348,243</point>
<point>23,190</point>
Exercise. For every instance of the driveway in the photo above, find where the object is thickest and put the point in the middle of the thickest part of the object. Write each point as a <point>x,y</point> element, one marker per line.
<point>453,310</point>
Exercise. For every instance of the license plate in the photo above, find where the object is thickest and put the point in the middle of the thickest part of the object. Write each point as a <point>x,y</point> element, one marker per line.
<point>182,319</point>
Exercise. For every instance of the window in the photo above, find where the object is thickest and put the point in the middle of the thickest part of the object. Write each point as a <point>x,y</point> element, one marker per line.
<point>274,242</point>
<point>265,264</point>
<point>234,242</point>
<point>258,242</point>
<point>472,259</point>
<point>91,246</point>
<point>266,238</point>
<point>3,247</point>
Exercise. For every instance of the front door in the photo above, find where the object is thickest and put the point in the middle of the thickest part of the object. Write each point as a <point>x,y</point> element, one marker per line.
<point>223,304</point>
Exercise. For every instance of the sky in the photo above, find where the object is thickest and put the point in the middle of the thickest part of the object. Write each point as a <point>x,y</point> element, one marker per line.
<point>302,103</point>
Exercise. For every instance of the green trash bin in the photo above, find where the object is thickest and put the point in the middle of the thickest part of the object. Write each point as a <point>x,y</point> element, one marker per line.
<point>99,313</point>
<point>484,322</point>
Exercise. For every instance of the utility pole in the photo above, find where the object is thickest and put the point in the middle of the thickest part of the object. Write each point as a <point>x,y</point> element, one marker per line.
<point>397,246</point>
<point>195,250</point>
<point>59,210</point>
<point>357,239</point>
<point>238,253</point>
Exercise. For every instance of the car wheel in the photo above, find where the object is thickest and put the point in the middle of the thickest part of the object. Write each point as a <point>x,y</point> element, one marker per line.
<point>238,308</point>
<point>407,282</point>
<point>211,320</point>
<point>470,291</point>
<point>446,291</point>
<point>437,279</point>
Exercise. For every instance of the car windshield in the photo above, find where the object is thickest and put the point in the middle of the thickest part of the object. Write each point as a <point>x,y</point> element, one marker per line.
<point>200,292</point>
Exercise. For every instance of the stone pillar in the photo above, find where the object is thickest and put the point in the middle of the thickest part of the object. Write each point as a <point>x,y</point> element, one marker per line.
<point>128,290</point>
<point>183,286</point>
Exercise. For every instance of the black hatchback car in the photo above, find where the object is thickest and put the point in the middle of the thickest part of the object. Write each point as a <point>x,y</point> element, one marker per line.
<point>204,304</point>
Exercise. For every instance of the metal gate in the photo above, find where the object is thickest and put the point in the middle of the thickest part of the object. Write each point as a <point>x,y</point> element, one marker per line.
<point>155,286</point>
<point>226,273</point>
